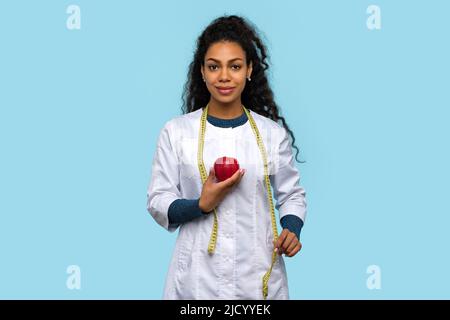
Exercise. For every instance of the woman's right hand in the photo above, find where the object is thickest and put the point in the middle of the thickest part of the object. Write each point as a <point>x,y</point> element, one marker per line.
<point>213,192</point>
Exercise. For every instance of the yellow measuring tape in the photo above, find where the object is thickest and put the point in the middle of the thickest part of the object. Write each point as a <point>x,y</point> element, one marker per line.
<point>204,176</point>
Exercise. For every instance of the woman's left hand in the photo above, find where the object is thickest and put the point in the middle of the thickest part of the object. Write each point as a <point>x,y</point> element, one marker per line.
<point>288,244</point>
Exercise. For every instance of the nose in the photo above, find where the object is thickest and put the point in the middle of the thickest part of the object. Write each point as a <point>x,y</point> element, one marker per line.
<point>223,77</point>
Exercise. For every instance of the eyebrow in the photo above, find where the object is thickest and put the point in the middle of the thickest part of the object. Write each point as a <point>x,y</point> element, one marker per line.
<point>228,60</point>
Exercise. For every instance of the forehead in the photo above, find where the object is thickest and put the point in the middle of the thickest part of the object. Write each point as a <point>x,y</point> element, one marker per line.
<point>225,50</point>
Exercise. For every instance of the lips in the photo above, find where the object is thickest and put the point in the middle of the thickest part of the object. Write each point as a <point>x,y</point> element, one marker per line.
<point>225,90</point>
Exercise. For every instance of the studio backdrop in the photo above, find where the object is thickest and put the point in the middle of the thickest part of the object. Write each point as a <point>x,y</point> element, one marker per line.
<point>86,87</point>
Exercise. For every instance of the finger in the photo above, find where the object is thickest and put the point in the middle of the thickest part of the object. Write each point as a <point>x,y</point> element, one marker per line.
<point>229,182</point>
<point>297,248</point>
<point>292,245</point>
<point>242,172</point>
<point>280,240</point>
<point>212,174</point>
<point>237,176</point>
<point>236,182</point>
<point>232,180</point>
<point>286,243</point>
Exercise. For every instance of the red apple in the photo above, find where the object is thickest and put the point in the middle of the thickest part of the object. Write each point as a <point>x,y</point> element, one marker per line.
<point>225,167</point>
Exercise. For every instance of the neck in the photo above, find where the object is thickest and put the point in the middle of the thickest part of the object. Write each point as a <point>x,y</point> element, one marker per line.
<point>225,111</point>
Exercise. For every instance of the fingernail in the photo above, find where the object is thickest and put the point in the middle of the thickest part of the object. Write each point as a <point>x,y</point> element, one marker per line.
<point>276,249</point>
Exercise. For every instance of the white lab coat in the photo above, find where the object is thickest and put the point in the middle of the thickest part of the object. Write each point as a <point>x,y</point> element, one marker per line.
<point>245,237</point>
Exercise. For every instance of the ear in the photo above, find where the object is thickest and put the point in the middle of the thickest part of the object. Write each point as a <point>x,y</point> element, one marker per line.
<point>250,69</point>
<point>202,70</point>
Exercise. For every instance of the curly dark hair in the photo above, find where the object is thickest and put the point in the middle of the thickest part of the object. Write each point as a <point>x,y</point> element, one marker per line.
<point>257,95</point>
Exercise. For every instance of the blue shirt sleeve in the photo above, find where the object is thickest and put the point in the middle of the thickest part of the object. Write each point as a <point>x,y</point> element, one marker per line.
<point>184,210</point>
<point>292,223</point>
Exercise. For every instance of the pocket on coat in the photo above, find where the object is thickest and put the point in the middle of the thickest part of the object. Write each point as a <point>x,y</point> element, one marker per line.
<point>271,170</point>
<point>184,257</point>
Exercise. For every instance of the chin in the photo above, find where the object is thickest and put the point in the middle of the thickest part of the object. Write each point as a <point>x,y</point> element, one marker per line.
<point>225,99</point>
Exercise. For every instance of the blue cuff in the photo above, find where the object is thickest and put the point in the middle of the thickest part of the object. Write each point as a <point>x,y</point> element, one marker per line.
<point>292,223</point>
<point>184,210</point>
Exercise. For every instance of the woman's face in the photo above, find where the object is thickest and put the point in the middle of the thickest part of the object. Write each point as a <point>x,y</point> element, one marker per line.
<point>225,71</point>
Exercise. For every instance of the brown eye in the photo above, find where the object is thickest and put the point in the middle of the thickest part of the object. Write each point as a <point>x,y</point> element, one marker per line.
<point>236,67</point>
<point>212,66</point>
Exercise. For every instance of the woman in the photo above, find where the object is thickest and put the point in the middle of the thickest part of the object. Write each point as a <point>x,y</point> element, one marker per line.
<point>228,245</point>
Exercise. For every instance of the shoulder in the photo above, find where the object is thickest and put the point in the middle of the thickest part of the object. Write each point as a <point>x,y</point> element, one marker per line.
<point>184,121</point>
<point>175,130</point>
<point>268,124</point>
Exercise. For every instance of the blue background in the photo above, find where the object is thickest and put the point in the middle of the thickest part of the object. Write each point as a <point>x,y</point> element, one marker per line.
<point>80,113</point>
